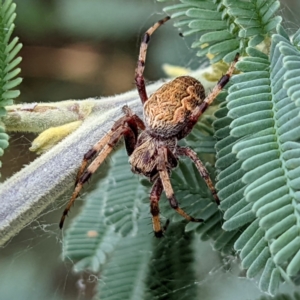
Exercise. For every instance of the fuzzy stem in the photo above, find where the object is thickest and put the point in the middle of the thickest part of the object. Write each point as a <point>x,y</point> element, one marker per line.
<point>26,194</point>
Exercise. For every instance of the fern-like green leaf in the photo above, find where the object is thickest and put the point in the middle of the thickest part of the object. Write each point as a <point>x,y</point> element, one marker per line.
<point>170,257</point>
<point>89,241</point>
<point>226,26</point>
<point>8,63</point>
<point>125,275</point>
<point>122,194</point>
<point>258,159</point>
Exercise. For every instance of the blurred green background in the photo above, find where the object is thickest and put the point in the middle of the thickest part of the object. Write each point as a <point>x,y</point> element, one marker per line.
<point>74,49</point>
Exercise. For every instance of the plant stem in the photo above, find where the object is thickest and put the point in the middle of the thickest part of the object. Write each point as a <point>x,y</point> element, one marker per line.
<point>26,194</point>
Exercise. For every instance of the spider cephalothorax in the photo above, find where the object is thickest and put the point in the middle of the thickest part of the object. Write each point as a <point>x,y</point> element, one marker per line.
<point>169,115</point>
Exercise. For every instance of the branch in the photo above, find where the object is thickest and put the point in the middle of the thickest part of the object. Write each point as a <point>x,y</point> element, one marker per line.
<point>26,194</point>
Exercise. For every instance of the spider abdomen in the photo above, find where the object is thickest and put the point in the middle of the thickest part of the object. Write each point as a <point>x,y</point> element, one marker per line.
<point>166,112</point>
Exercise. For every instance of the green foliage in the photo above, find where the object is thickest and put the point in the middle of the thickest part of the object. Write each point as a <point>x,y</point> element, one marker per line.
<point>258,159</point>
<point>8,63</point>
<point>170,257</point>
<point>89,241</point>
<point>226,26</point>
<point>125,274</point>
<point>255,141</point>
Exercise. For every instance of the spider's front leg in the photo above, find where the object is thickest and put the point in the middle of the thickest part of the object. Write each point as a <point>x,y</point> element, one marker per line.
<point>154,207</point>
<point>126,126</point>
<point>163,182</point>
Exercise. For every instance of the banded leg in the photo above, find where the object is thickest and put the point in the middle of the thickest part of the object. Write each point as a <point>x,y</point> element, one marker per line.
<point>91,169</point>
<point>155,194</point>
<point>201,168</point>
<point>132,120</point>
<point>165,178</point>
<point>139,78</point>
<point>92,153</point>
<point>198,111</point>
<point>216,90</point>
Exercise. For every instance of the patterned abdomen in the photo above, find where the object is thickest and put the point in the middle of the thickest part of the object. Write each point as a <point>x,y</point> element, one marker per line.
<point>167,110</point>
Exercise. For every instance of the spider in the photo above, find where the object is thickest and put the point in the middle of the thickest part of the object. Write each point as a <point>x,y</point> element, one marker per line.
<point>170,114</point>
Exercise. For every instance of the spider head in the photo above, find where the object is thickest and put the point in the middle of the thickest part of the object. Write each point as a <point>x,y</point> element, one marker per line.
<point>143,160</point>
<point>167,111</point>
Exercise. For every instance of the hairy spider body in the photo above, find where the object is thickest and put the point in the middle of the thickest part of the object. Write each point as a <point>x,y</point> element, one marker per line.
<point>166,114</point>
<point>169,115</point>
<point>143,160</point>
<point>167,111</point>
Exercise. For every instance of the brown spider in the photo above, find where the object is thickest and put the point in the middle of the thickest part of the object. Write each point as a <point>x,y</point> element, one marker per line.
<point>169,115</point>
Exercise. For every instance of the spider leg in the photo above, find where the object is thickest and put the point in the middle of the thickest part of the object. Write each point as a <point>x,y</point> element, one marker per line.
<point>132,120</point>
<point>114,138</point>
<point>201,168</point>
<point>218,87</point>
<point>155,194</point>
<point>91,154</point>
<point>199,110</point>
<point>139,78</point>
<point>165,178</point>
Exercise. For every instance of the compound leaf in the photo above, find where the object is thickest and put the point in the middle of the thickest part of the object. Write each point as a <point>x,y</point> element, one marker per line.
<point>125,274</point>
<point>258,186</point>
<point>226,26</point>
<point>8,64</point>
<point>168,259</point>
